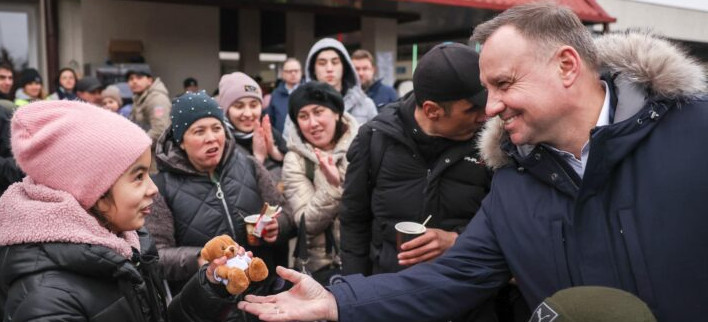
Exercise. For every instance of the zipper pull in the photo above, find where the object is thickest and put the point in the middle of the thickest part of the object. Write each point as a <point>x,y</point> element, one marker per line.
<point>219,192</point>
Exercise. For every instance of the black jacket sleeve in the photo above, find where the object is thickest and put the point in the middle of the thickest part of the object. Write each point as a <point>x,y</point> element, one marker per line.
<point>51,304</point>
<point>200,300</point>
<point>355,215</point>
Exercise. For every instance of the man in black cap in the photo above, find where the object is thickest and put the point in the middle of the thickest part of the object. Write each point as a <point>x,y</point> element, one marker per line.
<point>88,89</point>
<point>6,82</point>
<point>191,85</point>
<point>416,159</point>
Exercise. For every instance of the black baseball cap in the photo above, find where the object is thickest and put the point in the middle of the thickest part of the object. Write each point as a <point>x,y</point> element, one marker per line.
<point>139,72</point>
<point>449,72</point>
<point>88,84</point>
<point>189,81</point>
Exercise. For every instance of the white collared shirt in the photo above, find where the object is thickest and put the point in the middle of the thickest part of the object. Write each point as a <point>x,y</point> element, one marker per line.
<point>602,120</point>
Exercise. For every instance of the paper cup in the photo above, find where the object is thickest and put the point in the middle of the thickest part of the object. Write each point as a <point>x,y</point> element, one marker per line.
<point>250,228</point>
<point>407,231</point>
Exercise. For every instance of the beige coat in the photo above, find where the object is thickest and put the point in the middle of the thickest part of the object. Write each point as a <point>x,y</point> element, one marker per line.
<point>151,109</point>
<point>318,201</point>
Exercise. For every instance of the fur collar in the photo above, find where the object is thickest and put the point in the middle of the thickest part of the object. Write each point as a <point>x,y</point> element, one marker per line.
<point>643,60</point>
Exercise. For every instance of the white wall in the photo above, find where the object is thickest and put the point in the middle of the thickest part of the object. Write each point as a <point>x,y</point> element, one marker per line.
<point>179,40</point>
<point>672,22</point>
<point>71,52</point>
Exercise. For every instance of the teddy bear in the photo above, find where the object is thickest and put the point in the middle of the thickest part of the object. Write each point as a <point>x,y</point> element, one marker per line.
<point>240,270</point>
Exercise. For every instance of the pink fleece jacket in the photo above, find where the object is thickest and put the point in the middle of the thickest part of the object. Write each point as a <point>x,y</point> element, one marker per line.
<point>34,213</point>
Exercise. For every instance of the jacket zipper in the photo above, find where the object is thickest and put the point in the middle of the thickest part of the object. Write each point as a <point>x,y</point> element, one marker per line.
<point>220,196</point>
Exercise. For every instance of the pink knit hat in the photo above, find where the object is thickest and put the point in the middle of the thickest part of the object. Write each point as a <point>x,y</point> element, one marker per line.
<point>75,147</point>
<point>235,86</point>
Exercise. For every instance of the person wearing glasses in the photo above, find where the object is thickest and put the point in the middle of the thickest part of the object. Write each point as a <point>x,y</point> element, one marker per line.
<point>277,110</point>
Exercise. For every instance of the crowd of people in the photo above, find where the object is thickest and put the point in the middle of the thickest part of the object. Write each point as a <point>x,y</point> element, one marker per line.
<point>550,172</point>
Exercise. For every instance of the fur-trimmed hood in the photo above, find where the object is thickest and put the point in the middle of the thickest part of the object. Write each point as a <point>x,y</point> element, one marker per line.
<point>647,66</point>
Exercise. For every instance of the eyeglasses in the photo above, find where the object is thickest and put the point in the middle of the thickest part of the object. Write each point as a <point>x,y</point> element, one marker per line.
<point>290,71</point>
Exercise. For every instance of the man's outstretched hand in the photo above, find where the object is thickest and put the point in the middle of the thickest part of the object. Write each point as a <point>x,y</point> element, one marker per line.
<point>307,300</point>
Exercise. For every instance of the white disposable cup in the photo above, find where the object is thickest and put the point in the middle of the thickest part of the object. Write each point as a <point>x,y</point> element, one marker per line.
<point>407,231</point>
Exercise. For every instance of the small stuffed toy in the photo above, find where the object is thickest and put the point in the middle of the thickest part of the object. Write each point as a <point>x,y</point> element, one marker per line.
<point>239,270</point>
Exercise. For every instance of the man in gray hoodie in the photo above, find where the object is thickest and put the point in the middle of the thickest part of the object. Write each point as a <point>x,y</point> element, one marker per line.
<point>329,62</point>
<point>151,103</point>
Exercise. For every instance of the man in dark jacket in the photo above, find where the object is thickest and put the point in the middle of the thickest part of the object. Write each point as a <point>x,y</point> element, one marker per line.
<point>9,171</point>
<point>600,181</point>
<point>379,92</point>
<point>6,82</point>
<point>416,159</point>
<point>278,108</point>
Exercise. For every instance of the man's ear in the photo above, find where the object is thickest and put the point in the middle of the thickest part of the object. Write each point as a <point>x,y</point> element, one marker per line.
<point>569,63</point>
<point>181,146</point>
<point>432,110</point>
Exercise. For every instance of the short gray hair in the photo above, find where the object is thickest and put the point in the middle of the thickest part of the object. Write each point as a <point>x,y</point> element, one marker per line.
<point>547,24</point>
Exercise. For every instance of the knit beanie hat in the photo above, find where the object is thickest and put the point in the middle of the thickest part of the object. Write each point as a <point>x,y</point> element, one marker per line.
<point>27,76</point>
<point>235,86</point>
<point>113,92</point>
<point>592,304</point>
<point>189,108</point>
<point>75,147</point>
<point>314,93</point>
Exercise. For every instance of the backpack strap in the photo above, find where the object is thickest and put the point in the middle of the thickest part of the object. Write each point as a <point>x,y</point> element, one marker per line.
<point>310,169</point>
<point>377,145</point>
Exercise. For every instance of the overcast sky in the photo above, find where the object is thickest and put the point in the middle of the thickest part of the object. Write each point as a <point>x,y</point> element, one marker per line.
<point>688,4</point>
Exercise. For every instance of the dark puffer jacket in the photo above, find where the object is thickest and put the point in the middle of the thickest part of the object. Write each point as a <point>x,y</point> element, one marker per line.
<point>405,188</point>
<point>187,213</point>
<point>82,282</point>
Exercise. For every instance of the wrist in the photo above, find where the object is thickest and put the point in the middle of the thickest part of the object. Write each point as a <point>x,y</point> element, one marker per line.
<point>275,154</point>
<point>260,157</point>
<point>333,311</point>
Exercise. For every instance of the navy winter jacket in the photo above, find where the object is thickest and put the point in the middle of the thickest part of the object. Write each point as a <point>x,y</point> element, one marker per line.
<point>278,108</point>
<point>636,221</point>
<point>381,93</point>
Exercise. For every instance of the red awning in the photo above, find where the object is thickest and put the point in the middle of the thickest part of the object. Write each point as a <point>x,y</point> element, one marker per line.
<point>587,10</point>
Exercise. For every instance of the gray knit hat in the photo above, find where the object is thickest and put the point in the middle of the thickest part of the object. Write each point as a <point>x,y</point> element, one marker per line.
<point>188,109</point>
<point>113,92</point>
<point>592,304</point>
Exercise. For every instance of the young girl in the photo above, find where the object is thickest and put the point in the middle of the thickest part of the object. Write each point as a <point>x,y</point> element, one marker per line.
<point>71,247</point>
